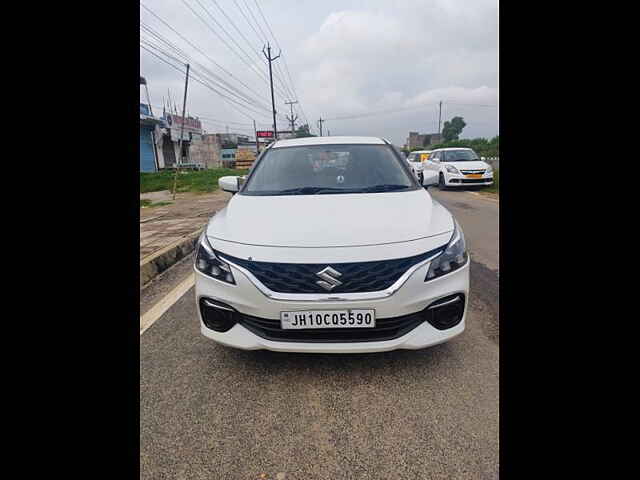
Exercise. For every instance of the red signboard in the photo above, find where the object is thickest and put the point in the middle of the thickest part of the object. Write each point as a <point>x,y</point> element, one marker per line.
<point>265,133</point>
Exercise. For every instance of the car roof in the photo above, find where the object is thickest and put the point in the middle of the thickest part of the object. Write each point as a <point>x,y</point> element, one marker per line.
<point>309,141</point>
<point>454,148</point>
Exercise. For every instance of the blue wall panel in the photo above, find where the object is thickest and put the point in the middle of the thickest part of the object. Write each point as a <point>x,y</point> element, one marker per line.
<point>147,156</point>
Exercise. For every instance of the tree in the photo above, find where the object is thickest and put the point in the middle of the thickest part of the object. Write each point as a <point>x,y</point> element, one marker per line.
<point>482,146</point>
<point>303,131</point>
<point>452,129</point>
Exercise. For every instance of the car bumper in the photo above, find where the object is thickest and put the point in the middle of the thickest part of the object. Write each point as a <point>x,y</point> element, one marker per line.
<point>455,180</point>
<point>414,296</point>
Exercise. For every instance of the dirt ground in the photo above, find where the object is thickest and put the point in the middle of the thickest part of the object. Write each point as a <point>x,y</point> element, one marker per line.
<point>161,226</point>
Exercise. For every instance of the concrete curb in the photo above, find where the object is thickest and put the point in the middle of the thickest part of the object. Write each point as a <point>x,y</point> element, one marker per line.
<point>158,262</point>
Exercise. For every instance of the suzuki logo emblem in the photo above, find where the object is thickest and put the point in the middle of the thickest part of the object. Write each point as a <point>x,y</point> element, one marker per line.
<point>329,280</point>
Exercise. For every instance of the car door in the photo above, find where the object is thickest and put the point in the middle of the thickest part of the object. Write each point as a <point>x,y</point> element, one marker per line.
<point>432,161</point>
<point>410,160</point>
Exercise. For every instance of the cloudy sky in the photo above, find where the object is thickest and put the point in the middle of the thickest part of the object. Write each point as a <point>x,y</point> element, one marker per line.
<point>385,63</point>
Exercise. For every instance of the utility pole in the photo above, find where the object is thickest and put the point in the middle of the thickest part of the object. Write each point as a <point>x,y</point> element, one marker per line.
<point>292,119</point>
<point>184,107</point>
<point>320,124</point>
<point>255,132</point>
<point>273,101</point>
<point>439,117</point>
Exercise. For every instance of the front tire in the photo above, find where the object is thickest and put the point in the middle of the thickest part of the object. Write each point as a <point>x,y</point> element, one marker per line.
<point>441,184</point>
<point>421,178</point>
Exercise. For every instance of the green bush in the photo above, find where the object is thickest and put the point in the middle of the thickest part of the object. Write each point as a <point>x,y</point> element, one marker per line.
<point>482,146</point>
<point>495,188</point>
<point>202,181</point>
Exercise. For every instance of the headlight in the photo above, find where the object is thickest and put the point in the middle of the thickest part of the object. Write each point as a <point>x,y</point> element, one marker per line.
<point>489,169</point>
<point>454,257</point>
<point>208,263</point>
<point>452,169</point>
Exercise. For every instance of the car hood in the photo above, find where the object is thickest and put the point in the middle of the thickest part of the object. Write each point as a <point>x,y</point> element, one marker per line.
<point>473,165</point>
<point>342,220</point>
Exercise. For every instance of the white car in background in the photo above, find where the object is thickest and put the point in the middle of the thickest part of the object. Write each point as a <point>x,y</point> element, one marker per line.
<point>458,167</point>
<point>314,256</point>
<point>416,161</point>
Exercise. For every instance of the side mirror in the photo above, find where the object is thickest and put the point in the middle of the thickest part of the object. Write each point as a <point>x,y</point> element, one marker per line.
<point>429,178</point>
<point>229,184</point>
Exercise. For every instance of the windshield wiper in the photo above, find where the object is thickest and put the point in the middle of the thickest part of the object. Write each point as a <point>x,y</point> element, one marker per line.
<point>384,188</point>
<point>307,190</point>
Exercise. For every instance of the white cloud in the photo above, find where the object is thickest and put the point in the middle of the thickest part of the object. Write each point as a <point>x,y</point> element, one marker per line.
<point>348,57</point>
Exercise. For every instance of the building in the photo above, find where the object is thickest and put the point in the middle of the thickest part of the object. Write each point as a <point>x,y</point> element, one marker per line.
<point>206,151</point>
<point>149,127</point>
<point>169,148</point>
<point>228,157</point>
<point>418,140</point>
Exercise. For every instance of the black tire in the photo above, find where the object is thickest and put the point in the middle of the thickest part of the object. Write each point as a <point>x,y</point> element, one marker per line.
<point>441,184</point>
<point>421,178</point>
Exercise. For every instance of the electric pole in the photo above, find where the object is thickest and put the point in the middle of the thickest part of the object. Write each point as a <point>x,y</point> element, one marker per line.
<point>292,119</point>
<point>439,117</point>
<point>320,124</point>
<point>184,107</point>
<point>255,132</point>
<point>273,102</point>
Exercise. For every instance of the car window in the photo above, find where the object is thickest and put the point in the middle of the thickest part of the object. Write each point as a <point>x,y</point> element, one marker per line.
<point>329,169</point>
<point>460,155</point>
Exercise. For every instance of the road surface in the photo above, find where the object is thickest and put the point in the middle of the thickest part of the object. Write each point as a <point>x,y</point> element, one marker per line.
<point>210,412</point>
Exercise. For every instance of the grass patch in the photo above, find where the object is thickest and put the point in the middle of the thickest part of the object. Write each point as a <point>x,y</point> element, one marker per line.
<point>146,203</point>
<point>495,188</point>
<point>203,181</point>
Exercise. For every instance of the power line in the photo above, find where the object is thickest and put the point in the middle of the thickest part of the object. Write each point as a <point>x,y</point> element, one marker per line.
<point>200,50</point>
<point>224,97</point>
<point>243,126</point>
<point>380,112</point>
<point>229,88</point>
<point>242,97</point>
<point>471,104</point>
<point>283,58</point>
<point>286,88</point>
<point>250,66</point>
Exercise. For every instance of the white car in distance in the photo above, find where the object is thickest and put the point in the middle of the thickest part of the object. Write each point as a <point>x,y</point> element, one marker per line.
<point>416,160</point>
<point>318,251</point>
<point>458,167</point>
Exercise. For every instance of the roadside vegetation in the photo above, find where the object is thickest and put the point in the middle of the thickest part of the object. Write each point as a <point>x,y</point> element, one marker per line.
<point>482,146</point>
<point>203,181</point>
<point>495,188</point>
<point>146,203</point>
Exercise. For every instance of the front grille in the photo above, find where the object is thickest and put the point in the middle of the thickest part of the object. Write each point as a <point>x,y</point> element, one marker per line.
<point>476,180</point>
<point>355,277</point>
<point>385,329</point>
<point>469,172</point>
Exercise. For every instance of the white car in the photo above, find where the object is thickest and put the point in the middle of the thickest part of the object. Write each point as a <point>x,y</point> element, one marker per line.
<point>416,161</point>
<point>458,167</point>
<point>310,256</point>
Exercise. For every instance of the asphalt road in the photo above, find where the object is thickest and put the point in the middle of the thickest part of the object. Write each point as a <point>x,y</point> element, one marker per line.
<point>210,412</point>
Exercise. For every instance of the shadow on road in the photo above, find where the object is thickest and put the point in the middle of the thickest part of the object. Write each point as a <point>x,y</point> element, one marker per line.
<point>264,362</point>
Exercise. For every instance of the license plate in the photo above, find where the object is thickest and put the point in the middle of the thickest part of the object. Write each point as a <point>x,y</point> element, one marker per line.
<point>474,175</point>
<point>328,319</point>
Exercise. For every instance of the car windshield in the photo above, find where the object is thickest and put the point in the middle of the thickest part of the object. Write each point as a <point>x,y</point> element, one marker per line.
<point>460,156</point>
<point>329,169</point>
